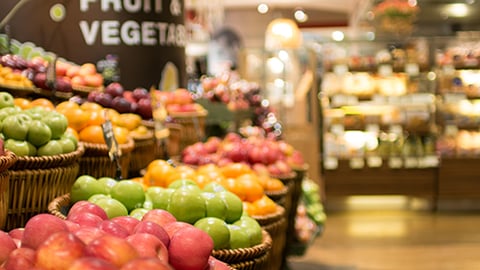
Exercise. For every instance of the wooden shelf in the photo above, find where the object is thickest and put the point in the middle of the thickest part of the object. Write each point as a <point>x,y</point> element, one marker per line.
<point>459,178</point>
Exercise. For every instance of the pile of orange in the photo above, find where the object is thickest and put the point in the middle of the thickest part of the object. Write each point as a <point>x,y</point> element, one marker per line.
<point>87,119</point>
<point>238,178</point>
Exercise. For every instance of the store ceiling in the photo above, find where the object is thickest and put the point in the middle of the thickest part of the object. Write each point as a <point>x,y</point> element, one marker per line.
<point>433,19</point>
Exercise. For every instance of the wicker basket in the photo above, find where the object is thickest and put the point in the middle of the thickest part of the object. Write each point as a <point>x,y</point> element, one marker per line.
<point>193,127</point>
<point>31,190</point>
<point>142,154</point>
<point>173,142</point>
<point>96,162</point>
<point>276,225</point>
<point>252,258</point>
<point>6,162</point>
<point>280,196</point>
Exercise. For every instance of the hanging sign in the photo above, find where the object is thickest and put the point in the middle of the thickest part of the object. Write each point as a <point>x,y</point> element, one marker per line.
<point>148,36</point>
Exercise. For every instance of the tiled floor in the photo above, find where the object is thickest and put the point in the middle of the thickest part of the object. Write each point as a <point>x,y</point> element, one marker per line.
<point>395,240</point>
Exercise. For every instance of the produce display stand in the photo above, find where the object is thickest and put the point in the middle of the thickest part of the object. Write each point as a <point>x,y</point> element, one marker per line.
<point>193,127</point>
<point>36,181</point>
<point>276,225</point>
<point>6,161</point>
<point>97,163</point>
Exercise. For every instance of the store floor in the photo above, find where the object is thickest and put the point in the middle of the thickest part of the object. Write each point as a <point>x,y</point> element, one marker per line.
<point>394,240</point>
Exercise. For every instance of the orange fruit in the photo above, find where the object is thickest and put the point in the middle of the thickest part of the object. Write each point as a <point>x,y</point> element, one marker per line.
<point>274,184</point>
<point>181,172</point>
<point>157,174</point>
<point>92,134</point>
<point>249,208</point>
<point>252,187</point>
<point>91,106</point>
<point>202,180</point>
<point>265,206</point>
<point>96,117</point>
<point>235,169</point>
<point>66,105</point>
<point>142,181</point>
<point>23,103</point>
<point>42,102</point>
<point>121,134</point>
<point>77,118</point>
<point>73,132</point>
<point>234,186</point>
<point>129,120</point>
<point>157,162</point>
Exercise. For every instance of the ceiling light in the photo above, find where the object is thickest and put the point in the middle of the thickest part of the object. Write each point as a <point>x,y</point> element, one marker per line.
<point>456,10</point>
<point>300,15</point>
<point>262,8</point>
<point>338,35</point>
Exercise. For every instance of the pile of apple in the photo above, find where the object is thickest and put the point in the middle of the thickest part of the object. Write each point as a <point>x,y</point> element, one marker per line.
<point>88,239</point>
<point>276,157</point>
<point>124,101</point>
<point>212,209</point>
<point>68,75</point>
<point>35,131</point>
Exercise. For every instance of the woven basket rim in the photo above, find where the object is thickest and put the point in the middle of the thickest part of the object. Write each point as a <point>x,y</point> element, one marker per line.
<point>270,218</point>
<point>285,177</point>
<point>42,161</point>
<point>56,204</point>
<point>7,160</point>
<point>255,251</point>
<point>101,147</point>
<point>281,192</point>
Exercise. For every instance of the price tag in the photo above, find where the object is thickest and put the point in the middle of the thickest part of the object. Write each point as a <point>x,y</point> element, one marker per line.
<point>114,151</point>
<point>357,163</point>
<point>395,163</point>
<point>330,163</point>
<point>337,129</point>
<point>449,70</point>
<point>411,162</point>
<point>385,70</point>
<point>340,70</point>
<point>430,161</point>
<point>412,69</point>
<point>374,162</point>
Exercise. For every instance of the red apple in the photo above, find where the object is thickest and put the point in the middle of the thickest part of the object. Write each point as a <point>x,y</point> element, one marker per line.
<point>85,219</point>
<point>215,264</point>
<point>144,108</point>
<point>89,263</point>
<point>140,93</point>
<point>115,89</point>
<point>87,69</point>
<point>112,249</point>
<point>146,264</point>
<point>17,235</point>
<point>7,245</point>
<point>72,71</point>
<point>88,234</point>
<point>88,207</point>
<point>59,251</point>
<point>39,228</point>
<point>127,222</point>
<point>20,259</point>
<point>93,80</point>
<point>182,256</point>
<point>61,68</point>
<point>148,245</point>
<point>114,229</point>
<point>154,229</point>
<point>128,95</point>
<point>173,227</point>
<point>182,96</point>
<point>159,216</point>
<point>72,226</point>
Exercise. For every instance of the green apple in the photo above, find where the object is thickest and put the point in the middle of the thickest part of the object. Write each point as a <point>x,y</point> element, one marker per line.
<point>107,182</point>
<point>182,183</point>
<point>239,237</point>
<point>217,229</point>
<point>159,197</point>
<point>19,148</point>
<point>215,205</point>
<point>253,228</point>
<point>96,197</point>
<point>214,187</point>
<point>112,207</point>
<point>36,113</point>
<point>38,133</point>
<point>4,112</point>
<point>187,205</point>
<point>71,137</point>
<point>16,126</point>
<point>234,205</point>
<point>51,148</point>
<point>57,122</point>
<point>6,100</point>
<point>84,187</point>
<point>138,213</point>
<point>130,193</point>
<point>67,145</point>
